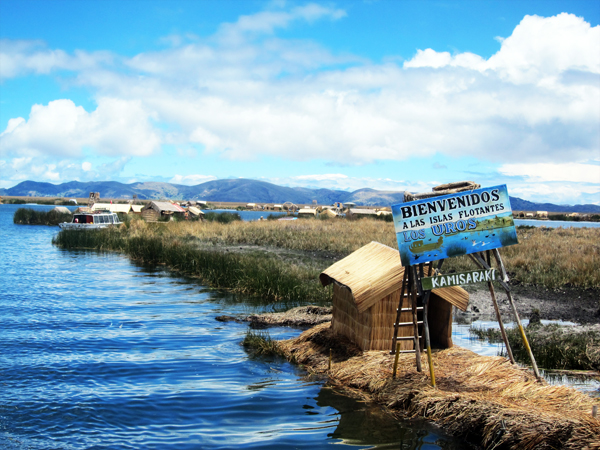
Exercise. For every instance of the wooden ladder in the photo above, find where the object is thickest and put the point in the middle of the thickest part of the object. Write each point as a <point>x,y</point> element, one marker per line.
<point>409,292</point>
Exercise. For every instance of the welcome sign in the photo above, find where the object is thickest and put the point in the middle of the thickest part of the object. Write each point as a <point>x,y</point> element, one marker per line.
<point>453,225</point>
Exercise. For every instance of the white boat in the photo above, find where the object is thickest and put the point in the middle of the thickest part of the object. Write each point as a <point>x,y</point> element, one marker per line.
<point>91,221</point>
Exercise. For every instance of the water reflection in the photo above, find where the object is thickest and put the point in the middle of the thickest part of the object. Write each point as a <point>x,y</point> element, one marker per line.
<point>368,425</point>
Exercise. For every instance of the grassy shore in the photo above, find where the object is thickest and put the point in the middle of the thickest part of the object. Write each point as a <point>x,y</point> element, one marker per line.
<point>282,260</point>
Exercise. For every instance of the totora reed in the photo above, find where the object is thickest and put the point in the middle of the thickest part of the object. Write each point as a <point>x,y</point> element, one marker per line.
<point>483,399</point>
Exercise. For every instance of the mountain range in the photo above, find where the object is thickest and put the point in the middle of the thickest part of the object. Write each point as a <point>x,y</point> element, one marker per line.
<point>243,191</point>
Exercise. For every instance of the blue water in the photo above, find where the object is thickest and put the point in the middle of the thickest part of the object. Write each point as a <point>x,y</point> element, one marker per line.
<point>556,223</point>
<point>97,352</point>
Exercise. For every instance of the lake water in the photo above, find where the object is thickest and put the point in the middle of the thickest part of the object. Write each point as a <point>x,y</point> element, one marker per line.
<point>97,352</point>
<point>556,223</point>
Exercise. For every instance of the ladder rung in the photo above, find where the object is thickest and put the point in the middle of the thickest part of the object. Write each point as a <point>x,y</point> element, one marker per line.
<point>406,324</point>
<point>419,308</point>
<point>406,338</point>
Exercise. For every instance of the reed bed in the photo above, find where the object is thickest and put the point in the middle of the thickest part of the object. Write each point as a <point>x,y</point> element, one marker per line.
<point>29,216</point>
<point>260,343</point>
<point>268,278</point>
<point>486,400</point>
<point>548,257</point>
<point>210,250</point>
<point>554,346</point>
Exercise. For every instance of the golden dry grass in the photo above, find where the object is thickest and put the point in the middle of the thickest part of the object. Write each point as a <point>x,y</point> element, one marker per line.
<point>494,403</point>
<point>549,257</point>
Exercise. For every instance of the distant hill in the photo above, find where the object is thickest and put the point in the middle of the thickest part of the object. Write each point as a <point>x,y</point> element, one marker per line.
<point>244,191</point>
<point>518,204</point>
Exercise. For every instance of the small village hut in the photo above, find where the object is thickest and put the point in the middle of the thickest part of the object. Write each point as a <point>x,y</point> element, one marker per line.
<point>358,212</point>
<point>330,213</point>
<point>62,210</point>
<point>366,292</point>
<point>307,212</point>
<point>124,208</point>
<point>195,212</point>
<point>154,211</point>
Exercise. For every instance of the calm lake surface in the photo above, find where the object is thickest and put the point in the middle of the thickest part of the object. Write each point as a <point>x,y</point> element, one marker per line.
<point>99,353</point>
<point>556,223</point>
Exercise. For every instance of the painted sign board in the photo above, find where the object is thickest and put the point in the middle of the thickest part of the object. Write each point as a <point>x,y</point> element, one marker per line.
<point>457,279</point>
<point>453,225</point>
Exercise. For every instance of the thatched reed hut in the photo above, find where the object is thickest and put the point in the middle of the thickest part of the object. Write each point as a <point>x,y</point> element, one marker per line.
<point>366,292</point>
<point>154,211</point>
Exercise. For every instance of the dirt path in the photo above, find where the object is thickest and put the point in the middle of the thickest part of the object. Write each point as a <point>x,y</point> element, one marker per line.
<point>581,306</point>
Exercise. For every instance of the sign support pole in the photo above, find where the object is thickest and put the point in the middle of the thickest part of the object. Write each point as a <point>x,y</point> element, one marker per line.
<point>479,260</point>
<point>425,297</point>
<point>412,280</point>
<point>499,317</point>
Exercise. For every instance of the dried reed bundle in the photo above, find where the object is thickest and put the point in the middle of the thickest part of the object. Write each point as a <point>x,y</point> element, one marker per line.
<point>494,403</point>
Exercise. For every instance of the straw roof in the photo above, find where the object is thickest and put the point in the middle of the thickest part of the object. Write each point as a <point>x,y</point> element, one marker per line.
<point>308,211</point>
<point>195,211</point>
<point>364,212</point>
<point>375,271</point>
<point>112,207</point>
<point>164,206</point>
<point>120,207</point>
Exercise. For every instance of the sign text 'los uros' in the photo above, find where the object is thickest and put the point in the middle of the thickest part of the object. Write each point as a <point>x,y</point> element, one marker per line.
<point>453,225</point>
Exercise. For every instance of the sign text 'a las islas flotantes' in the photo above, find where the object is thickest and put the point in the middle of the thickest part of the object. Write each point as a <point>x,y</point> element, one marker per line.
<point>453,225</point>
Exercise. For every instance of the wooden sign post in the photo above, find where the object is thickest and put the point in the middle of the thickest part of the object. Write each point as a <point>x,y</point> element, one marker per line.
<point>434,227</point>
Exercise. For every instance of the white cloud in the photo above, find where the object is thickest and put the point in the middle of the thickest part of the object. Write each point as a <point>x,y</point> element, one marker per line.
<point>560,193</point>
<point>19,57</point>
<point>191,180</point>
<point>350,183</point>
<point>86,166</point>
<point>62,129</point>
<point>266,22</point>
<point>545,172</point>
<point>539,49</point>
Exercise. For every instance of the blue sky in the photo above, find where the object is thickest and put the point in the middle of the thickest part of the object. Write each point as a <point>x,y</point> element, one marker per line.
<point>389,95</point>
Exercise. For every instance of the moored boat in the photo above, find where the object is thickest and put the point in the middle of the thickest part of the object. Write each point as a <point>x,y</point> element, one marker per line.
<point>91,221</point>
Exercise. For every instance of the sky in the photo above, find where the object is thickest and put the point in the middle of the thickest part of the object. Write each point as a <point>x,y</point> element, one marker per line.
<point>391,95</point>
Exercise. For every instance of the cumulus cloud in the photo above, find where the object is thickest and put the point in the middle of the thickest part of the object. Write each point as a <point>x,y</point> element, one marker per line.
<point>238,102</point>
<point>62,129</point>
<point>545,172</point>
<point>539,49</point>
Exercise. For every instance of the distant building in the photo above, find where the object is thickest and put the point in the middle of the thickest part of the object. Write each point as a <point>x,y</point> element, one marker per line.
<point>360,212</point>
<point>154,211</point>
<point>307,212</point>
<point>124,208</point>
